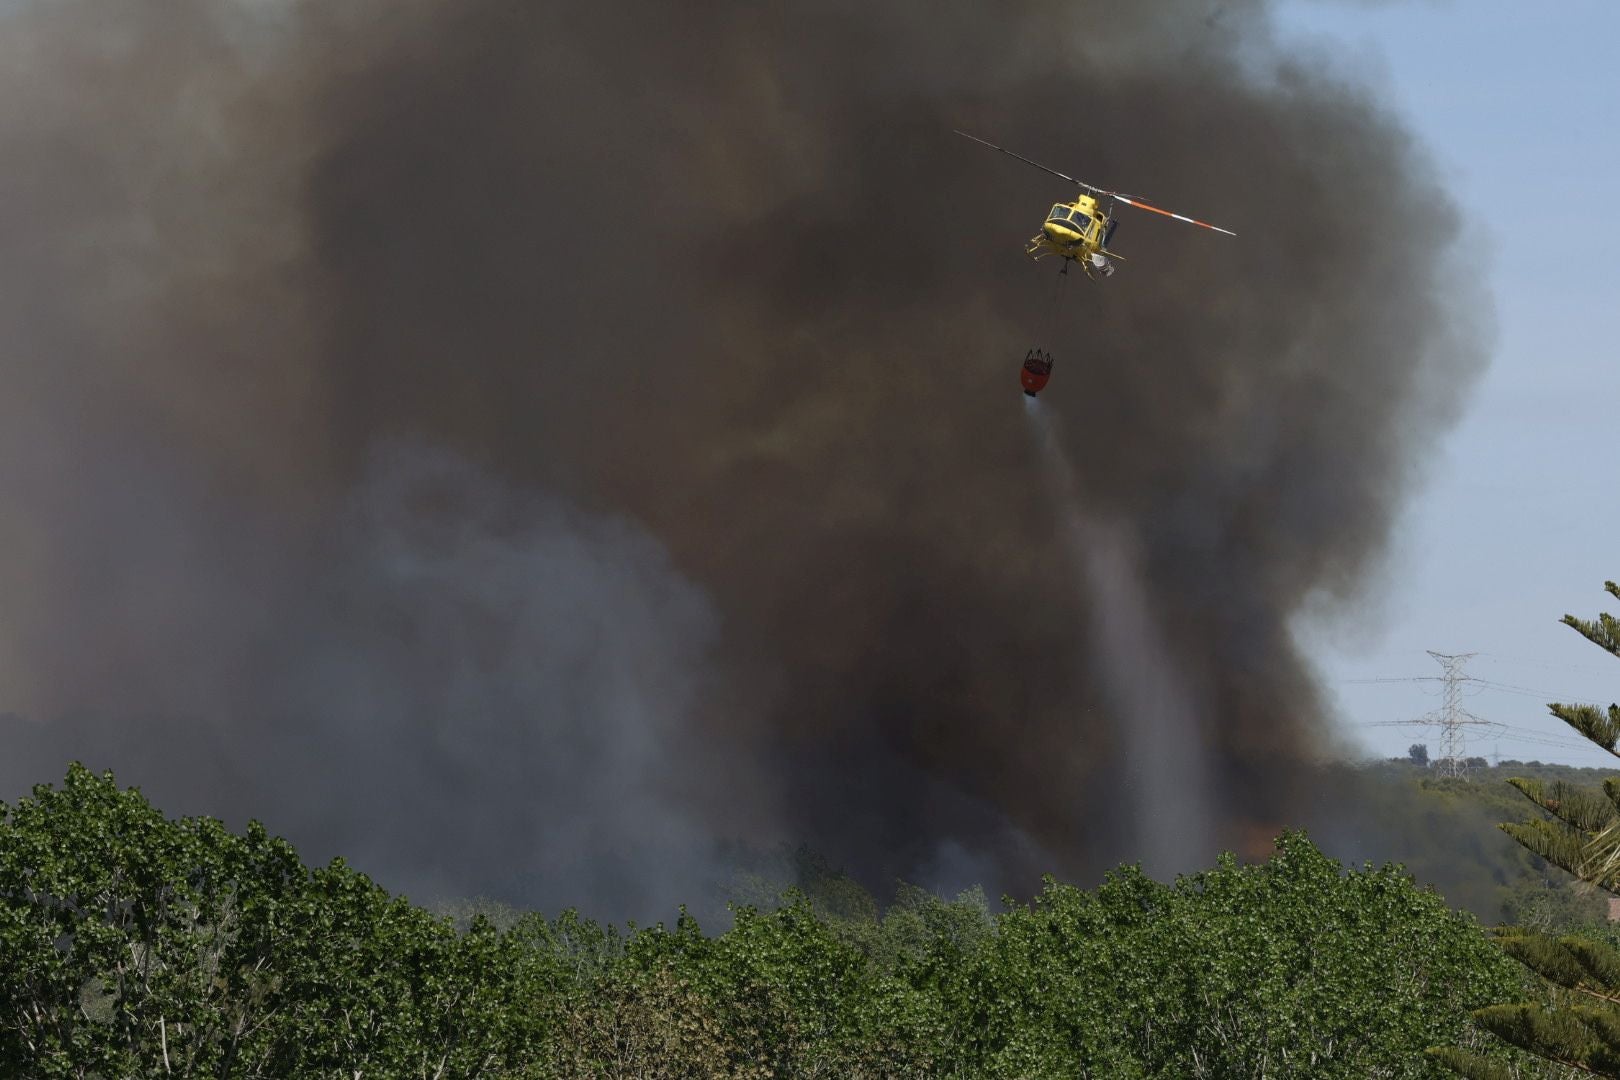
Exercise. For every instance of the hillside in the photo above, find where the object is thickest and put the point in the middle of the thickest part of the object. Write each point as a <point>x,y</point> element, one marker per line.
<point>1444,831</point>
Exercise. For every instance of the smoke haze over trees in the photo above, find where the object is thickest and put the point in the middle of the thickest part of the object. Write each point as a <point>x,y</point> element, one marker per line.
<point>527,448</point>
<point>119,922</point>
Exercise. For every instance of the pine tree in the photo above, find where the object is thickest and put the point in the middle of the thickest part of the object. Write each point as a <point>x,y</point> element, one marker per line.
<point>1578,1023</point>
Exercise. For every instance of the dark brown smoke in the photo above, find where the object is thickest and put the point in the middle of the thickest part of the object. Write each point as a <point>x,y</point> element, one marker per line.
<point>524,446</point>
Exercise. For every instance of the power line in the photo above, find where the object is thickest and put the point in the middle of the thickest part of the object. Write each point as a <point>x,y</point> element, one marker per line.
<point>1604,673</point>
<point>1453,720</point>
<point>1501,731</point>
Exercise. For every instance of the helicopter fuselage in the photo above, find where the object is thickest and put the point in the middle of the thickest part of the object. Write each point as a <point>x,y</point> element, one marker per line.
<point>1077,231</point>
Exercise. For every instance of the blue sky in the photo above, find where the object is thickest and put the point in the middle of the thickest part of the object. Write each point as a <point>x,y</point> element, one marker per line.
<point>1514,520</point>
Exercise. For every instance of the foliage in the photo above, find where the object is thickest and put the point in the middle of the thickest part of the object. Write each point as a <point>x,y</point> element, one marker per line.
<point>1445,832</point>
<point>132,945</point>
<point>1577,1021</point>
<point>1289,968</point>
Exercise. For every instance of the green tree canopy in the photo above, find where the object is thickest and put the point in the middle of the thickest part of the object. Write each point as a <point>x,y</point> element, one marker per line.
<point>136,945</point>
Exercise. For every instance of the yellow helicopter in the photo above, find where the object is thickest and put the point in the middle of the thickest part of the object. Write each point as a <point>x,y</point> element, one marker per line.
<point>1079,231</point>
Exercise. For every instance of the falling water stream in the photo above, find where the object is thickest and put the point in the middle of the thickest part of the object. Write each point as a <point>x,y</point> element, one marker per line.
<point>1165,779</point>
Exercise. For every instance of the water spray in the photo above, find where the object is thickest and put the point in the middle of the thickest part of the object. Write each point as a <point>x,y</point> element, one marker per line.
<point>1155,711</point>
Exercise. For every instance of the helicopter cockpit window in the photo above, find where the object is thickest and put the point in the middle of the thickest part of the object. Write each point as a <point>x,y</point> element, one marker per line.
<point>1059,213</point>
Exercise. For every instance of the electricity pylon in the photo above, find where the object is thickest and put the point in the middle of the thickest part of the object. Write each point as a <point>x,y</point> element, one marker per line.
<point>1451,716</point>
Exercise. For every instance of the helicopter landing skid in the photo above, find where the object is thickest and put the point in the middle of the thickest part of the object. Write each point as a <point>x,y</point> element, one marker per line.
<point>1039,248</point>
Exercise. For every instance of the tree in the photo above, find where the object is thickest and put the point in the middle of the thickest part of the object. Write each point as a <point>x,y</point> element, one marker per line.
<point>135,945</point>
<point>1419,754</point>
<point>132,945</point>
<point>1577,1023</point>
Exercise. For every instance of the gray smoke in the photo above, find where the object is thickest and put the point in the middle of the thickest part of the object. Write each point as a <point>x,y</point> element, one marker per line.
<point>527,447</point>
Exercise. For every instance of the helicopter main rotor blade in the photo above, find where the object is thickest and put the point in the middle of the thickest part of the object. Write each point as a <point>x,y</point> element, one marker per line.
<point>1129,201</point>
<point>1027,161</point>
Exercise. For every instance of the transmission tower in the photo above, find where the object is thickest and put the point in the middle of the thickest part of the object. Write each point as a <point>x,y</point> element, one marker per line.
<point>1451,716</point>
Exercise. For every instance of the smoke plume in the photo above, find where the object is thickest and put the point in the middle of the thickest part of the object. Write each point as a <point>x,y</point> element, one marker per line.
<point>525,447</point>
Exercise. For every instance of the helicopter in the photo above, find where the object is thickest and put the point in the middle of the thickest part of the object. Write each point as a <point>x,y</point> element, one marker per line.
<point>1080,231</point>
